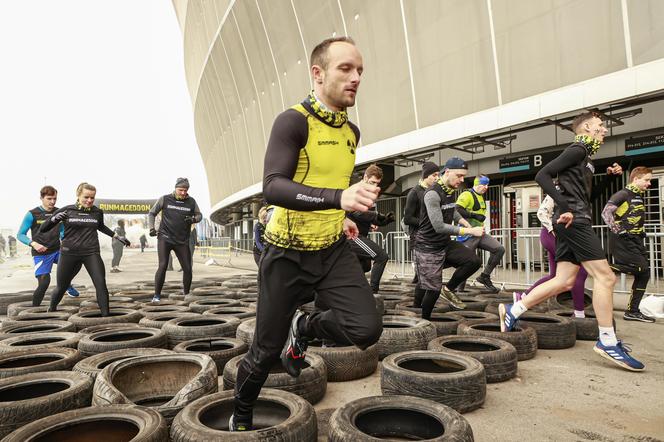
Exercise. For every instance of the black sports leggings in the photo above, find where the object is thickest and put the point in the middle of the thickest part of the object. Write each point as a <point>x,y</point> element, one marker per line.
<point>68,268</point>
<point>43,281</point>
<point>184,256</point>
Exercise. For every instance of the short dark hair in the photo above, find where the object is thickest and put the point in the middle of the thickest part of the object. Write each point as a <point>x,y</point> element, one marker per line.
<point>319,54</point>
<point>374,170</point>
<point>582,118</point>
<point>47,190</point>
<point>638,172</point>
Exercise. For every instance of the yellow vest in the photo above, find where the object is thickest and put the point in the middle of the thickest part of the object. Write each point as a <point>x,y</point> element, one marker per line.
<point>327,161</point>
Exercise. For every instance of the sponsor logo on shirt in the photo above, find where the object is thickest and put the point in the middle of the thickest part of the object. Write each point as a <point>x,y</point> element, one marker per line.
<point>83,220</point>
<point>309,199</point>
<point>183,209</point>
<point>328,143</point>
<point>448,206</point>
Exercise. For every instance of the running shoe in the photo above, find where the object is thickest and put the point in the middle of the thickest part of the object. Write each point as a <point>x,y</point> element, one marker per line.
<point>507,319</point>
<point>518,296</point>
<point>72,292</point>
<point>637,316</point>
<point>114,271</point>
<point>156,298</point>
<point>485,280</point>
<point>619,354</point>
<point>452,299</point>
<point>233,425</point>
<point>292,356</point>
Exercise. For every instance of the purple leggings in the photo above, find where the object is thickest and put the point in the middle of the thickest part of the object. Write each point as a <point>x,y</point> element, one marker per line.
<point>548,240</point>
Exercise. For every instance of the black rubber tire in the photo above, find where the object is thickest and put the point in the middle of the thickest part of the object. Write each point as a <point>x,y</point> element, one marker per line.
<point>346,363</point>
<point>586,328</point>
<point>553,332</point>
<point>180,378</point>
<point>121,338</point>
<point>187,328</point>
<point>21,327</point>
<point>89,318</point>
<point>395,312</point>
<point>158,321</point>
<point>6,299</point>
<point>26,398</point>
<point>456,381</point>
<point>239,283</point>
<point>446,323</point>
<point>15,308</point>
<point>376,418</point>
<point>408,306</point>
<point>113,422</point>
<point>94,364</point>
<point>211,291</point>
<point>201,305</point>
<point>149,312</point>
<point>236,311</point>
<point>279,416</point>
<point>564,301</point>
<point>92,302</point>
<point>401,333</point>
<point>16,363</point>
<point>245,331</point>
<point>27,341</point>
<point>391,300</point>
<point>498,357</point>
<point>476,317</point>
<point>112,305</point>
<point>104,327</point>
<point>28,317</point>
<point>310,385</point>
<point>138,295</point>
<point>474,303</point>
<point>523,338</point>
<point>71,309</point>
<point>221,350</point>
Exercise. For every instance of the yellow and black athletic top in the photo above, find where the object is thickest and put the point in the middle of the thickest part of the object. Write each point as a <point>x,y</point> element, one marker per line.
<point>624,212</point>
<point>308,163</point>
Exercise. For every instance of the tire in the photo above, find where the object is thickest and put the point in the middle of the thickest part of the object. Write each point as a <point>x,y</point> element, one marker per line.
<point>8,331</point>
<point>586,328</point>
<point>187,328</point>
<point>553,332</point>
<point>112,305</point>
<point>523,338</point>
<point>115,299</point>
<point>27,317</point>
<point>212,291</point>
<point>476,317</point>
<point>474,303</point>
<point>71,309</point>
<point>93,365</point>
<point>279,416</point>
<point>137,295</point>
<point>221,350</point>
<point>7,299</point>
<point>564,301</point>
<point>375,417</point>
<point>114,422</point>
<point>178,378</point>
<point>15,308</point>
<point>88,318</point>
<point>401,333</point>
<point>395,312</point>
<point>158,321</point>
<point>498,357</point>
<point>237,311</point>
<point>202,305</point>
<point>408,306</point>
<point>391,300</point>
<point>26,398</point>
<point>121,338</point>
<point>149,312</point>
<point>105,327</point>
<point>456,381</point>
<point>346,363</point>
<point>239,283</point>
<point>311,385</point>
<point>27,341</point>
<point>245,331</point>
<point>446,323</point>
<point>17,363</point>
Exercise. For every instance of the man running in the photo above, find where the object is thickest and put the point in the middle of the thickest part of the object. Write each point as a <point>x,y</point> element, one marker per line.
<point>576,243</point>
<point>411,216</point>
<point>45,247</point>
<point>472,207</point>
<point>624,214</point>
<point>365,249</point>
<point>308,163</point>
<point>434,248</point>
<point>178,212</point>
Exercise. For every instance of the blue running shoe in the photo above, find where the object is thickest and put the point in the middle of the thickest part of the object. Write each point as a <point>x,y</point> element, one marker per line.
<point>156,297</point>
<point>507,319</point>
<point>619,354</point>
<point>72,292</point>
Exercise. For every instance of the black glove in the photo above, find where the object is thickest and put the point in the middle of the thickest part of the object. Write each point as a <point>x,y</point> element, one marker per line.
<point>390,217</point>
<point>123,240</point>
<point>189,219</point>
<point>153,232</point>
<point>60,216</point>
<point>478,217</point>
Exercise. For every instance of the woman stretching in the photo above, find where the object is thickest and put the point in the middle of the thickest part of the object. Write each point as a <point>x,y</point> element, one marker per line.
<point>80,245</point>
<point>548,240</point>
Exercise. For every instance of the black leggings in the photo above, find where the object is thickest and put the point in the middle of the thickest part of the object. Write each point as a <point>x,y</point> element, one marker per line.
<point>68,268</point>
<point>43,281</point>
<point>117,253</point>
<point>631,257</point>
<point>183,254</point>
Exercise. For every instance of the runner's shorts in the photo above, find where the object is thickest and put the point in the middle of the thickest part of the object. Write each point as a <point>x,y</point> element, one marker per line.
<point>44,263</point>
<point>429,267</point>
<point>577,243</point>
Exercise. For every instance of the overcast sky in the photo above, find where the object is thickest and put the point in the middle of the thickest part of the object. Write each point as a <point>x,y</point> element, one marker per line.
<point>93,90</point>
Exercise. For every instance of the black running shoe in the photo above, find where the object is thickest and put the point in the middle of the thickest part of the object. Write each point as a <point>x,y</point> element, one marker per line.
<point>637,316</point>
<point>485,280</point>
<point>292,356</point>
<point>234,425</point>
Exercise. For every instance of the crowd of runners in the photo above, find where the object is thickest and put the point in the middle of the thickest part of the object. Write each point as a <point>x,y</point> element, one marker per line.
<point>312,240</point>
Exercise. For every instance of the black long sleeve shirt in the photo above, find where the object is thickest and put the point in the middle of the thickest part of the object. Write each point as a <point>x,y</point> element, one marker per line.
<point>81,228</point>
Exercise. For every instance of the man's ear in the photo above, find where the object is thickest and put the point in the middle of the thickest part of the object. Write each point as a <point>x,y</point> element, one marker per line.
<point>317,73</point>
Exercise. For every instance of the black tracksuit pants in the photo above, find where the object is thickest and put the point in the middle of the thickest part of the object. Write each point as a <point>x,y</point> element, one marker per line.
<point>367,250</point>
<point>68,268</point>
<point>183,254</point>
<point>631,257</point>
<point>287,279</point>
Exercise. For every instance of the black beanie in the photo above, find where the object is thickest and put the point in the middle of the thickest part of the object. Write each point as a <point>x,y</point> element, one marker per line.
<point>428,168</point>
<point>182,182</point>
